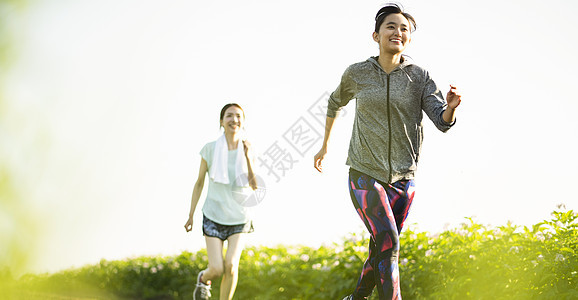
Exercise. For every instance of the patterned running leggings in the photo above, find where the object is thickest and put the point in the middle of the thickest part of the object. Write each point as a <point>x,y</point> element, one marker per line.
<point>383,208</point>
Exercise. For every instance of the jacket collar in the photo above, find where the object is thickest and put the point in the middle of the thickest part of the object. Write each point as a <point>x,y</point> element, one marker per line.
<point>406,62</point>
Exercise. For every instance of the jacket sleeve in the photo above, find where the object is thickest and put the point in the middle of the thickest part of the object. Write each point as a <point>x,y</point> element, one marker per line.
<point>434,105</point>
<point>342,95</point>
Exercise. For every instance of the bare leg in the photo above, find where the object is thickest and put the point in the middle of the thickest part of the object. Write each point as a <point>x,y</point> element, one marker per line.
<point>215,254</point>
<point>231,275</point>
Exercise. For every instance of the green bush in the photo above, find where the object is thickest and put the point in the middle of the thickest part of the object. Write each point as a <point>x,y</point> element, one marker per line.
<point>508,262</point>
<point>470,262</point>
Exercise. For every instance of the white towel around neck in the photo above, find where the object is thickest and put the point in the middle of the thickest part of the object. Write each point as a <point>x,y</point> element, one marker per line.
<point>219,167</point>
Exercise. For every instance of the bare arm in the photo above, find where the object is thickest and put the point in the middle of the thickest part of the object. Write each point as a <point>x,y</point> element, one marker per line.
<point>197,190</point>
<point>321,154</point>
<point>252,178</point>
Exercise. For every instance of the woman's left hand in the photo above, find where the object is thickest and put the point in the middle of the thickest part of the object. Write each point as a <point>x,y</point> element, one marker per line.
<point>454,97</point>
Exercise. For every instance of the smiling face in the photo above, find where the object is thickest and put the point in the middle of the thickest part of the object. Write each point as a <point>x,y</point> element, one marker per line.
<point>233,119</point>
<point>394,34</point>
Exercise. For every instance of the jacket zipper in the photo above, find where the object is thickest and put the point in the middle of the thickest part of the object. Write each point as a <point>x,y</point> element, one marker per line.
<point>389,129</point>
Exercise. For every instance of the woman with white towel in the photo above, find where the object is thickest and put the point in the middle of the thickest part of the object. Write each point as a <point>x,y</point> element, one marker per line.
<point>228,162</point>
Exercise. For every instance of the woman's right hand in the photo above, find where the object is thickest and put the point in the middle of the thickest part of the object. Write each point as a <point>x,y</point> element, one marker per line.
<point>317,160</point>
<point>189,224</point>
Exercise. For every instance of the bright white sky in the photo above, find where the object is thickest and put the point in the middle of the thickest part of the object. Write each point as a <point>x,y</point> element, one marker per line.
<point>112,100</point>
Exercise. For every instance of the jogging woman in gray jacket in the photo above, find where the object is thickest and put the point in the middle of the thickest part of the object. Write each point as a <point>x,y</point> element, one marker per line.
<point>392,93</point>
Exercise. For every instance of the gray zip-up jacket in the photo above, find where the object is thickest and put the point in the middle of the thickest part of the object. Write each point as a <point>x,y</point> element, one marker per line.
<point>387,130</point>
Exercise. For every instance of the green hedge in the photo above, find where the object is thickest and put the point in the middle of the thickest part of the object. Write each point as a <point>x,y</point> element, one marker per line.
<point>470,262</point>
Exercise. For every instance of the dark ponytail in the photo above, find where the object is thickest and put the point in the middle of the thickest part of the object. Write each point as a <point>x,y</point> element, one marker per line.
<point>224,109</point>
<point>389,9</point>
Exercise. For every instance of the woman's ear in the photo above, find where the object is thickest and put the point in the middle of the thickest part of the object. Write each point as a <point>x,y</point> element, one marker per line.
<point>376,37</point>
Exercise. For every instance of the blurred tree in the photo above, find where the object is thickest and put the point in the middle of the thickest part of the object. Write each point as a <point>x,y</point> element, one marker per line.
<point>8,9</point>
<point>16,225</point>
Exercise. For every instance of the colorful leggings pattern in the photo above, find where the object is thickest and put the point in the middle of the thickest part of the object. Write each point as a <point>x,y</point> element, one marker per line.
<point>383,208</point>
